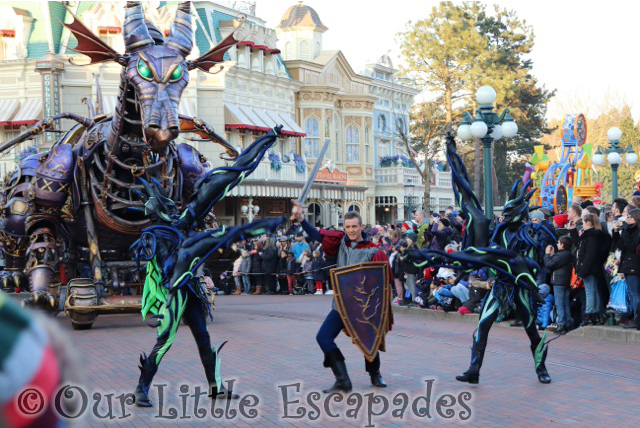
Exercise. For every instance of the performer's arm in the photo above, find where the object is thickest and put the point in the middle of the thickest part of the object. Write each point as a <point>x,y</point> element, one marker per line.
<point>313,233</point>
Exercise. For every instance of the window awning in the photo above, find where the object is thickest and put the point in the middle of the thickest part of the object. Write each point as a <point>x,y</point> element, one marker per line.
<point>290,125</point>
<point>8,109</point>
<point>30,112</point>
<point>251,114</point>
<point>236,118</point>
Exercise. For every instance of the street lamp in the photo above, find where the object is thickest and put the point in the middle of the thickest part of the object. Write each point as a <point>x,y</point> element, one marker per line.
<point>249,211</point>
<point>489,127</point>
<point>408,190</point>
<point>613,153</point>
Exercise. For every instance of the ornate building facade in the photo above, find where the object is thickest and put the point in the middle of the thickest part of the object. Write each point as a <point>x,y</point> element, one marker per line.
<point>272,76</point>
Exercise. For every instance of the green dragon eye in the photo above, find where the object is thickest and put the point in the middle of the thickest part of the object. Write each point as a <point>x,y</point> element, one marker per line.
<point>177,74</point>
<point>144,70</point>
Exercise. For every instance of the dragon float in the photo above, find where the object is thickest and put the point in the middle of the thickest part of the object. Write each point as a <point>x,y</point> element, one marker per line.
<point>82,203</point>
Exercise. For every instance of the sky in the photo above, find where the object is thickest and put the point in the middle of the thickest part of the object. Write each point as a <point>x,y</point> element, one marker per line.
<point>586,50</point>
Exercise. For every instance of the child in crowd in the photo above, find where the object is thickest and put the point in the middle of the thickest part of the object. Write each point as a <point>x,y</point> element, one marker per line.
<point>317,271</point>
<point>307,268</point>
<point>560,265</point>
<point>245,269</point>
<point>292,269</point>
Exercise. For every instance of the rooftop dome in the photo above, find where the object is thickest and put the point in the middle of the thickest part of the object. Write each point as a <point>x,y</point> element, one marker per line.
<point>301,16</point>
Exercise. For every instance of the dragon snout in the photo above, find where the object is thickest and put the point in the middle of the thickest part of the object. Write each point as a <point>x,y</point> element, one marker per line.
<point>158,138</point>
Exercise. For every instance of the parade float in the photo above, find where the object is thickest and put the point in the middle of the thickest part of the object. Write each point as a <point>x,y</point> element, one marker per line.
<point>571,175</point>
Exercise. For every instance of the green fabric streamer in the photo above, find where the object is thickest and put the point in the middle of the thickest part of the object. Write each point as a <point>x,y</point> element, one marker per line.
<point>153,294</point>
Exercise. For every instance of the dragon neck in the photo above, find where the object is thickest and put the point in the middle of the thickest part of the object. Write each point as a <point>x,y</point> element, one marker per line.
<point>126,118</point>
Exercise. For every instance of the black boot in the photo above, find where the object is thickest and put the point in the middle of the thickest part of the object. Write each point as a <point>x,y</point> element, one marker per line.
<point>472,375</point>
<point>335,360</point>
<point>539,357</point>
<point>148,369</point>
<point>210,361</point>
<point>373,368</point>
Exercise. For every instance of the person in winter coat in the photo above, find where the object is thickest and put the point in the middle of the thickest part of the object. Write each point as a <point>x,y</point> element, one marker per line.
<point>478,289</point>
<point>317,272</point>
<point>411,270</point>
<point>307,267</point>
<point>282,272</point>
<point>560,265</point>
<point>439,233</point>
<point>256,269</point>
<point>269,266</point>
<point>292,269</point>
<point>245,270</point>
<point>237,276</point>
<point>593,250</point>
<point>397,267</point>
<point>630,262</point>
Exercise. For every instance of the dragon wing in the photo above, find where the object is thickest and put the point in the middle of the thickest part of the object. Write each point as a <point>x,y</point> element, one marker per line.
<point>214,56</point>
<point>88,43</point>
<point>477,232</point>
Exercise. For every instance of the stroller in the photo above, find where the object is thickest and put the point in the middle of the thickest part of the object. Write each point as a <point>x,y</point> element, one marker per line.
<point>301,285</point>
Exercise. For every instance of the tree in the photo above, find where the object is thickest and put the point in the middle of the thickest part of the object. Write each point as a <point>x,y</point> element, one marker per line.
<point>462,47</point>
<point>427,124</point>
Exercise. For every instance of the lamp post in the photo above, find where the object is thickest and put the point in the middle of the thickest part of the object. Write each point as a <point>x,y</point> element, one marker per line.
<point>489,127</point>
<point>613,153</point>
<point>249,211</point>
<point>408,191</point>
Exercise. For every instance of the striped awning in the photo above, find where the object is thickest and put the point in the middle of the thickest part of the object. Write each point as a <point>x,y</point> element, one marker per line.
<point>8,109</point>
<point>30,112</point>
<point>236,118</point>
<point>253,116</point>
<point>290,125</point>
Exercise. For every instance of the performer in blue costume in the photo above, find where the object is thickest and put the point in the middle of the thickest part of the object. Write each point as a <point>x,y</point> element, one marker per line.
<point>513,251</point>
<point>174,250</point>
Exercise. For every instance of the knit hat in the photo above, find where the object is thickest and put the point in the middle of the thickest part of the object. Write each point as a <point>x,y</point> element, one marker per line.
<point>411,234</point>
<point>537,214</point>
<point>561,219</point>
<point>586,204</point>
<point>636,193</point>
<point>407,225</point>
<point>444,222</point>
<point>546,212</point>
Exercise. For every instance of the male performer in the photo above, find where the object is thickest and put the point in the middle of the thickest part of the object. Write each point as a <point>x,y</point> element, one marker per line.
<point>342,249</point>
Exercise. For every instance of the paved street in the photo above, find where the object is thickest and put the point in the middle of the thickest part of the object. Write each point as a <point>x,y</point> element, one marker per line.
<point>272,344</point>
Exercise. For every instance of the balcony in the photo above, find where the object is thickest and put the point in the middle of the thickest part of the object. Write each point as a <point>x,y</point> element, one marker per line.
<point>397,176</point>
<point>287,173</point>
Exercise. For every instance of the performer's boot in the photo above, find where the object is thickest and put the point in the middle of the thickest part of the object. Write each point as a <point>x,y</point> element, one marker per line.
<point>335,360</point>
<point>210,361</point>
<point>258,290</point>
<point>148,369</point>
<point>539,357</point>
<point>472,375</point>
<point>373,368</point>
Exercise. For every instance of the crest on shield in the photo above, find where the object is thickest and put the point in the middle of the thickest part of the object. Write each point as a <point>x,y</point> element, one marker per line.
<point>363,297</point>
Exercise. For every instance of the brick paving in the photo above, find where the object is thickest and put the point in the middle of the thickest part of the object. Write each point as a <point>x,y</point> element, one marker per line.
<point>272,343</point>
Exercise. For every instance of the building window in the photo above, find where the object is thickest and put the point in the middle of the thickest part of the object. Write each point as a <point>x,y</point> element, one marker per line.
<point>400,126</point>
<point>353,143</point>
<point>382,123</point>
<point>304,50</point>
<point>367,147</point>
<point>336,123</point>
<point>288,50</point>
<point>353,207</point>
<point>312,140</point>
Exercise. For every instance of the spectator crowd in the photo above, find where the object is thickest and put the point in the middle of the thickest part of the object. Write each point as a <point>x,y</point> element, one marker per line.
<point>590,274</point>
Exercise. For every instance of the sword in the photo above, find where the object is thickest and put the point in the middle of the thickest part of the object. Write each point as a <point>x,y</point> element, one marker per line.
<point>312,176</point>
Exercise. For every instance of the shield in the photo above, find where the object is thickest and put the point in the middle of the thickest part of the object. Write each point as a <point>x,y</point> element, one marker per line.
<point>363,297</point>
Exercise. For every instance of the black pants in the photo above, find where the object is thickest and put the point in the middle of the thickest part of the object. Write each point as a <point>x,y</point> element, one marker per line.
<point>188,306</point>
<point>330,329</point>
<point>270,282</point>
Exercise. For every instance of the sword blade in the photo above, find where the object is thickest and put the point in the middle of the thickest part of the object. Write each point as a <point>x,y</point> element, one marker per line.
<point>312,176</point>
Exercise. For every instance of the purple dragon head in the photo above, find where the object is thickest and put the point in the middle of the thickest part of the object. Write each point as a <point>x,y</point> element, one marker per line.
<point>155,67</point>
<point>158,71</point>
